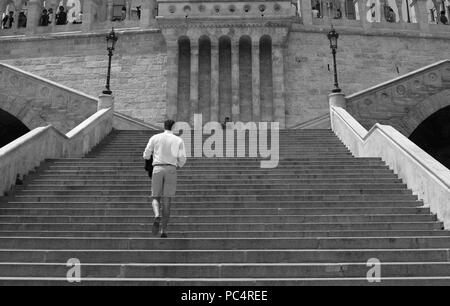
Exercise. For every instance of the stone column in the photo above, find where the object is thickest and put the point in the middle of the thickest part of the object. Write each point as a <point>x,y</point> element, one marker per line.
<point>399,8</point>
<point>256,99</point>
<point>194,78</point>
<point>214,79</point>
<point>105,101</point>
<point>362,9</point>
<point>128,6</point>
<point>422,15</point>
<point>34,13</point>
<point>109,10</point>
<point>89,8</point>
<point>343,6</point>
<point>279,107</point>
<point>172,79</point>
<point>235,108</point>
<point>306,11</point>
<point>146,14</point>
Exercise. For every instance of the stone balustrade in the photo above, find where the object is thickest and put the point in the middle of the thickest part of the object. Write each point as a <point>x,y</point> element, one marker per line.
<point>37,101</point>
<point>27,152</point>
<point>98,15</point>
<point>403,102</point>
<point>425,176</point>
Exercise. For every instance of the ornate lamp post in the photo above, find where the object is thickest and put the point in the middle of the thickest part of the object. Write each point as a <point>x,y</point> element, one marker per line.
<point>111,40</point>
<point>333,38</point>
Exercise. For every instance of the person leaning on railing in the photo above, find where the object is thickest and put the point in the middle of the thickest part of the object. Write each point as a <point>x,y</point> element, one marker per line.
<point>8,20</point>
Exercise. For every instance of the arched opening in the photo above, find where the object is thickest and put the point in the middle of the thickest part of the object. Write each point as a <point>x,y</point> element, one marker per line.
<point>433,136</point>
<point>224,77</point>
<point>204,76</point>
<point>265,75</point>
<point>18,10</point>
<point>245,78</point>
<point>11,128</point>
<point>184,79</point>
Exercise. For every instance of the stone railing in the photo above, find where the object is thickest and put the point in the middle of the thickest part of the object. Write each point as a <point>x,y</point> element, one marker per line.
<point>427,178</point>
<point>27,152</point>
<point>403,102</point>
<point>421,17</point>
<point>95,15</point>
<point>37,101</point>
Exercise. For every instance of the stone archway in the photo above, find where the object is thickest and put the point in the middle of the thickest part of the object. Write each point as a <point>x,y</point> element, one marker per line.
<point>11,128</point>
<point>433,135</point>
<point>423,110</point>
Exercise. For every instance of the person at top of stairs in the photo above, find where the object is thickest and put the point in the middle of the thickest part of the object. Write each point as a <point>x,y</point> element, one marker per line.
<point>168,154</point>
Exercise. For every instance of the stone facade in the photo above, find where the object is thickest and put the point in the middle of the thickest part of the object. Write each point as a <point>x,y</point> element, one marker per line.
<point>146,57</point>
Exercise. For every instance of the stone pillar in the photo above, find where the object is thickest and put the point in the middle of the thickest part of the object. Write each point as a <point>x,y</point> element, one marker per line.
<point>362,9</point>
<point>306,11</point>
<point>343,6</point>
<point>89,9</point>
<point>34,13</point>
<point>128,6</point>
<point>399,8</point>
<point>109,10</point>
<point>256,99</point>
<point>338,100</point>
<point>146,14</point>
<point>194,79</point>
<point>172,79</point>
<point>235,108</point>
<point>279,107</point>
<point>422,15</point>
<point>214,79</point>
<point>105,101</point>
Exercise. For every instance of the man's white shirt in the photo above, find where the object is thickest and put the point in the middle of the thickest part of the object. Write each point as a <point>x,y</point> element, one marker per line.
<point>166,148</point>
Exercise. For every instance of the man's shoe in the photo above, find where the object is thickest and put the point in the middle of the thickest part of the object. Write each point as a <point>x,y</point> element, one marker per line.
<point>155,228</point>
<point>163,235</point>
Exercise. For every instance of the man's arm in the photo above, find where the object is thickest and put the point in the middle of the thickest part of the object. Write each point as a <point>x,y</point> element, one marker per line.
<point>181,155</point>
<point>149,149</point>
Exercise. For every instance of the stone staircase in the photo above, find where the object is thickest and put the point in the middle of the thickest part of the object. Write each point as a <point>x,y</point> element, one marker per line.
<point>315,220</point>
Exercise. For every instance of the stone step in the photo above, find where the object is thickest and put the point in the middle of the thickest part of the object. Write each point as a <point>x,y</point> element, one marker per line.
<point>226,270</point>
<point>230,282</point>
<point>246,192</point>
<point>257,182</point>
<point>225,256</point>
<point>189,168</point>
<point>202,161</point>
<point>55,243</point>
<point>212,198</point>
<point>227,227</point>
<point>196,219</point>
<point>225,234</point>
<point>125,187</point>
<point>218,205</point>
<point>220,177</point>
<point>73,211</point>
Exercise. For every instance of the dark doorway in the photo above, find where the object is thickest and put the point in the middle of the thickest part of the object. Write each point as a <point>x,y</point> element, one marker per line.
<point>433,136</point>
<point>11,128</point>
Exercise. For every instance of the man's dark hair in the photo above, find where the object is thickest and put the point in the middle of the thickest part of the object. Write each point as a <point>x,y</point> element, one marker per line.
<point>168,124</point>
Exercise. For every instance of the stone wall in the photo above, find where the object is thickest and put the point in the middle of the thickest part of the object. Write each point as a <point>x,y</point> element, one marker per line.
<point>139,79</point>
<point>138,70</point>
<point>363,61</point>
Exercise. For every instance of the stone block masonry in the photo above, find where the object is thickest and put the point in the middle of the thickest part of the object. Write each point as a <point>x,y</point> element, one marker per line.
<point>138,72</point>
<point>139,66</point>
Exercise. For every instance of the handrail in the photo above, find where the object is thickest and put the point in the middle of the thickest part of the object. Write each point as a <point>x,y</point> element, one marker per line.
<point>396,80</point>
<point>27,152</point>
<point>49,82</point>
<point>424,175</point>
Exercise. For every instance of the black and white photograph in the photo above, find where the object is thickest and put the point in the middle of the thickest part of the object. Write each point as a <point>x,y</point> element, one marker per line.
<point>224,148</point>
